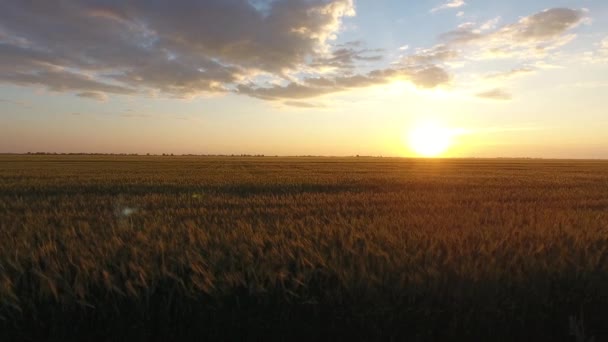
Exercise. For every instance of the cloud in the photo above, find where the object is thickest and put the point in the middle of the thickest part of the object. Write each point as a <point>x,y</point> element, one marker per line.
<point>177,48</point>
<point>495,94</point>
<point>449,5</point>
<point>95,49</point>
<point>532,36</point>
<point>301,104</point>
<point>61,80</point>
<point>490,24</point>
<point>425,77</point>
<point>437,54</point>
<point>94,95</point>
<point>599,55</point>
<point>16,103</point>
<point>136,116</point>
<point>603,49</point>
<point>346,57</point>
<point>545,25</point>
<point>513,73</point>
<point>280,50</point>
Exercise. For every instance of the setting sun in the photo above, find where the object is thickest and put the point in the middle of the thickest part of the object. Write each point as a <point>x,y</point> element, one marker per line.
<point>430,140</point>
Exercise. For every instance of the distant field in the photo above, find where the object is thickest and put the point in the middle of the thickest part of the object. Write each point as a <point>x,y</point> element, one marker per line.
<point>144,248</point>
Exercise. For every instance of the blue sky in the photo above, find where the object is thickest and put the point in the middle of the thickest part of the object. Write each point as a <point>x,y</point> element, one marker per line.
<point>508,78</point>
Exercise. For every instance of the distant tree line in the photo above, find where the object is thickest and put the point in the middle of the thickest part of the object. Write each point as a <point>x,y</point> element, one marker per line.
<point>137,154</point>
<point>81,154</point>
<point>184,154</point>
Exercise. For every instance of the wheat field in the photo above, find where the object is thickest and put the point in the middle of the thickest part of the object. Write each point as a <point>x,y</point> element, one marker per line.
<point>267,248</point>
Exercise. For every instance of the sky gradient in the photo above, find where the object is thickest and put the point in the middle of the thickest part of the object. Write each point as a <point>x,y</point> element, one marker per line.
<point>304,77</point>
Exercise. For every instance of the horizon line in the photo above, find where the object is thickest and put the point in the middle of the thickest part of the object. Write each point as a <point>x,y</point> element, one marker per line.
<point>246,155</point>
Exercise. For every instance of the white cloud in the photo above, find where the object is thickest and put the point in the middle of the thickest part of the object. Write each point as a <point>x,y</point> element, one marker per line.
<point>490,24</point>
<point>531,45</point>
<point>599,55</point>
<point>531,37</point>
<point>449,5</point>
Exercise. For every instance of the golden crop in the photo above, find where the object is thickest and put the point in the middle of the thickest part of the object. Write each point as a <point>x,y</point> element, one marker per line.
<point>273,247</point>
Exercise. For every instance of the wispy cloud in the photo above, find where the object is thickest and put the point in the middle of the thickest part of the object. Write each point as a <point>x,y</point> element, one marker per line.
<point>347,58</point>
<point>599,55</point>
<point>513,73</point>
<point>301,104</point>
<point>424,76</point>
<point>532,36</point>
<point>129,115</point>
<point>490,24</point>
<point>449,5</point>
<point>94,95</point>
<point>495,94</point>
<point>16,103</point>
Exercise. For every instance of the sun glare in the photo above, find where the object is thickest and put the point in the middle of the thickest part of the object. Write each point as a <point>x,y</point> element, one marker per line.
<point>430,140</point>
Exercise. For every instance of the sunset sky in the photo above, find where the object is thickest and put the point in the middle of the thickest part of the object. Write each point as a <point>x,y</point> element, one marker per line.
<point>315,77</point>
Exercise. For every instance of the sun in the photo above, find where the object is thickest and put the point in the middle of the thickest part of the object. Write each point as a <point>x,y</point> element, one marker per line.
<point>430,140</point>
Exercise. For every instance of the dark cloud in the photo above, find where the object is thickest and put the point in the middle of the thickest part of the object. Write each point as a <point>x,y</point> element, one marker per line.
<point>62,80</point>
<point>180,48</point>
<point>495,94</point>
<point>346,57</point>
<point>547,24</point>
<point>351,44</point>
